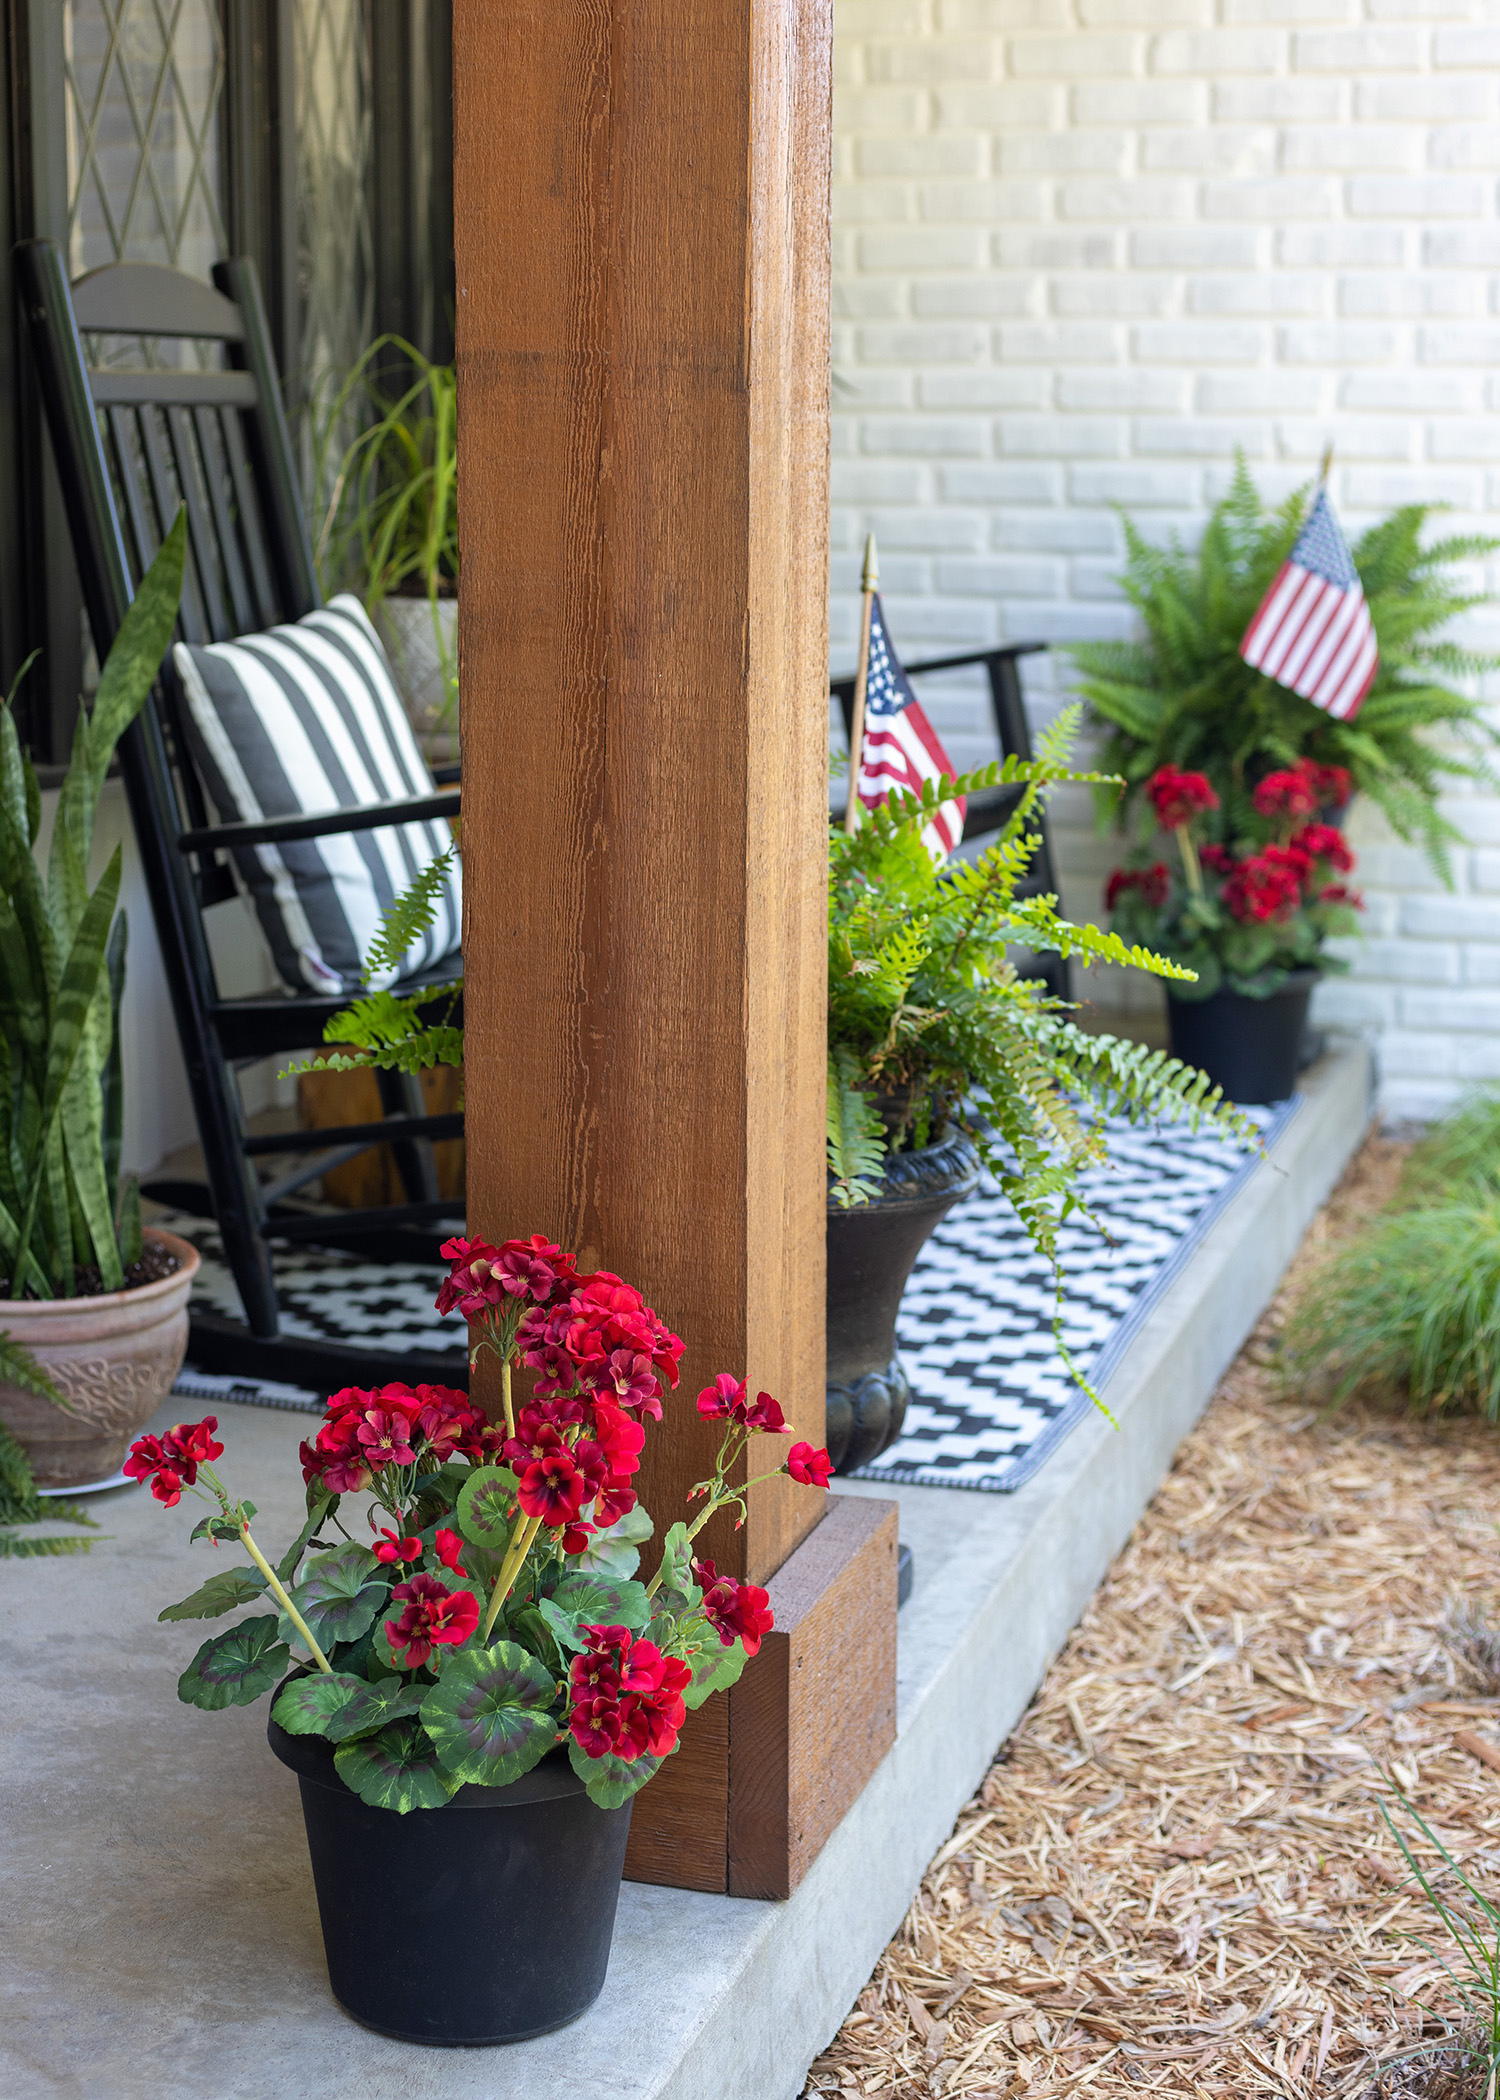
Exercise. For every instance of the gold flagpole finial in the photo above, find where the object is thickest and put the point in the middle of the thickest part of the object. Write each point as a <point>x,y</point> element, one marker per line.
<point>871,576</point>
<point>1327,466</point>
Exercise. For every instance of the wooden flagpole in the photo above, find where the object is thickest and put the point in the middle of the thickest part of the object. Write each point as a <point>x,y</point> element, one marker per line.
<point>1327,466</point>
<point>867,583</point>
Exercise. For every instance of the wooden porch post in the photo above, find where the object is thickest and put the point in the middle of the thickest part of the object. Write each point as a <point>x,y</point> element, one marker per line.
<point>641,211</point>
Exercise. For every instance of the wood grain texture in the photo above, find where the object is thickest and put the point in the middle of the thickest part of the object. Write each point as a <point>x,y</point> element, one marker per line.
<point>815,1712</point>
<point>641,213</point>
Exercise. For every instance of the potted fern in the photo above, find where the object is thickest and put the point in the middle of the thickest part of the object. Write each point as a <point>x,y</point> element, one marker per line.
<point>943,1059</point>
<point>1182,696</point>
<point>99,1303</point>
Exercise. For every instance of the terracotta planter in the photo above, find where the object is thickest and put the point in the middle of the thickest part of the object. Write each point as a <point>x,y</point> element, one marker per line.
<point>114,1357</point>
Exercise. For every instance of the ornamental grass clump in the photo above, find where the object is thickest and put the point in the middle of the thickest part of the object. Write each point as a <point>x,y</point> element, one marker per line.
<point>1410,1309</point>
<point>1183,696</point>
<point>492,1611</point>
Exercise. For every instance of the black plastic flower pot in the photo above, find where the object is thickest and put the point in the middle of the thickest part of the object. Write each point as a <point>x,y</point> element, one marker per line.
<point>871,1250</point>
<point>1252,1048</point>
<point>487,1920</point>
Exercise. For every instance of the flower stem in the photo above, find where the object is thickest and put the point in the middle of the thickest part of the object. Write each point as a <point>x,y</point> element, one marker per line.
<point>1190,865</point>
<point>510,1415</point>
<point>510,1568</point>
<point>285,1601</point>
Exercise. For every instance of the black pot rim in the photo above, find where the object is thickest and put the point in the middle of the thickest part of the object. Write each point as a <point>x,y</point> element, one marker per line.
<point>311,1757</point>
<point>914,1180</point>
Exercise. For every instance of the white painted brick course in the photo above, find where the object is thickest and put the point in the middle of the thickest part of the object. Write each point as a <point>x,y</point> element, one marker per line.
<point>1084,248</point>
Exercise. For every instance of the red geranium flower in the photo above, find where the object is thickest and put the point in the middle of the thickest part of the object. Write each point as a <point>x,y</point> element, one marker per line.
<point>194,1443</point>
<point>551,1487</point>
<point>1332,785</point>
<point>1154,884</point>
<point>534,1269</point>
<point>447,1545</point>
<point>386,1437</point>
<point>723,1399</point>
<point>1340,893</point>
<point>1179,797</point>
<point>626,1695</point>
<point>1291,858</point>
<point>812,1467</point>
<point>171,1462</point>
<point>434,1616</point>
<point>471,1285</point>
<point>1325,842</point>
<point>444,1417</point>
<point>1218,859</point>
<point>1285,794</point>
<point>1259,891</point>
<point>149,1460</point>
<point>736,1610</point>
<point>394,1547</point>
<point>619,1438</point>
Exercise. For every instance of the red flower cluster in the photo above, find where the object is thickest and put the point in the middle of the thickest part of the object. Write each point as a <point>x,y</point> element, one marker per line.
<point>595,1334</point>
<point>394,1425</point>
<point>809,1465</point>
<point>1324,842</point>
<point>1259,890</point>
<point>1218,859</point>
<point>572,1451</point>
<point>1332,785</point>
<point>736,1610</point>
<point>626,1695</point>
<point>1340,893</point>
<point>1286,794</point>
<point>1179,797</point>
<point>393,1547</point>
<point>482,1277</point>
<point>433,1617</point>
<point>726,1400</point>
<point>1153,883</point>
<point>171,1462</point>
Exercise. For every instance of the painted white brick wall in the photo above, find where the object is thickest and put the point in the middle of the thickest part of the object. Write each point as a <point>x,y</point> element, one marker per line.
<point>1083,249</point>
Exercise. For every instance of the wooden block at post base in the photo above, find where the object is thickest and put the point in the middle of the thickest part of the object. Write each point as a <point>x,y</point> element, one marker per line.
<point>815,1712</point>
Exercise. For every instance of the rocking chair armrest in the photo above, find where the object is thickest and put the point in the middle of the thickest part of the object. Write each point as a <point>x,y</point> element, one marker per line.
<point>370,816</point>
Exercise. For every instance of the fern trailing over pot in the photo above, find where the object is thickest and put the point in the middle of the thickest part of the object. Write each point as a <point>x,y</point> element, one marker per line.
<point>931,1027</point>
<point>20,1504</point>
<point>1182,696</point>
<point>64,1207</point>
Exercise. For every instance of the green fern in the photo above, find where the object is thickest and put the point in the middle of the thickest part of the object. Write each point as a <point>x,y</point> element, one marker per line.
<point>19,1501</point>
<point>856,1135</point>
<point>408,917</point>
<point>1185,696</point>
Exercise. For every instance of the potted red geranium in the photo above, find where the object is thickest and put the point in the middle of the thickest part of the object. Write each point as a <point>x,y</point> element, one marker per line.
<point>1251,913</point>
<point>471,1682</point>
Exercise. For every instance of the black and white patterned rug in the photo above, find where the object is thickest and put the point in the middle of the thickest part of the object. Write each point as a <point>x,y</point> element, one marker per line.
<point>992,1398</point>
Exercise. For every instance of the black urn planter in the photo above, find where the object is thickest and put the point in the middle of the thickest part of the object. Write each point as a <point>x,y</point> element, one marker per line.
<point>871,1249</point>
<point>487,1920</point>
<point>1252,1048</point>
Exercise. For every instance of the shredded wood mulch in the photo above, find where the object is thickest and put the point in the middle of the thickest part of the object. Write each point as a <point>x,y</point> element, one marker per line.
<point>1176,1877</point>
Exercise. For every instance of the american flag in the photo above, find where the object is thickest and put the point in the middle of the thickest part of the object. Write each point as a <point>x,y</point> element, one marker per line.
<point>1313,631</point>
<point>901,748</point>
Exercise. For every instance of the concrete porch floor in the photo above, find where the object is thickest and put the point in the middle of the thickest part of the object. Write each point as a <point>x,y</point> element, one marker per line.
<point>159,1932</point>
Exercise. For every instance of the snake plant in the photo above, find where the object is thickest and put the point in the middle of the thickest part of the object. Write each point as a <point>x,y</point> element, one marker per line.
<point>62,971</point>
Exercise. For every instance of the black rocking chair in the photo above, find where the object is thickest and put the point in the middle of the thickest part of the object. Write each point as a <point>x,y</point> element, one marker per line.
<point>131,444</point>
<point>988,810</point>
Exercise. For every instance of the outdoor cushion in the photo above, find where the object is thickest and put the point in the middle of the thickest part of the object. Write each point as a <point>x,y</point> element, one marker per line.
<point>301,719</point>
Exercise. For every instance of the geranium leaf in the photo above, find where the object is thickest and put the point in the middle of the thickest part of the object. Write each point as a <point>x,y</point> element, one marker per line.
<point>594,1600</point>
<point>714,1670</point>
<point>340,1706</point>
<point>483,1505</point>
<point>397,1769</point>
<point>489,1713</point>
<point>610,1781</point>
<point>677,1560</point>
<point>615,1552</point>
<point>226,1591</point>
<point>340,1596</point>
<point>234,1668</point>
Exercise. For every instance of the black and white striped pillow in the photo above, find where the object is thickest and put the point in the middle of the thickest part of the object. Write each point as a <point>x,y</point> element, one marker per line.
<point>305,718</point>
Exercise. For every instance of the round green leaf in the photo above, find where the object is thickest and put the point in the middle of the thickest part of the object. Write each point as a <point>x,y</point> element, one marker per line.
<point>226,1591</point>
<point>489,1713</point>
<point>234,1668</point>
<point>397,1769</point>
<point>610,1781</point>
<point>483,1502</point>
<point>315,1705</point>
<point>341,1596</point>
<point>594,1600</point>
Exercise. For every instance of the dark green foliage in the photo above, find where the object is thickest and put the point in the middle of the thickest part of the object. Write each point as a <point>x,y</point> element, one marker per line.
<point>926,1011</point>
<point>489,1715</point>
<point>234,1668</point>
<point>62,968</point>
<point>19,1501</point>
<point>386,1031</point>
<point>1184,695</point>
<point>1411,1307</point>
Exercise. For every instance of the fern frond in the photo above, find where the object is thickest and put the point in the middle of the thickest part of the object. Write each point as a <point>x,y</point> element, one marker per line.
<point>407,917</point>
<point>856,1136</point>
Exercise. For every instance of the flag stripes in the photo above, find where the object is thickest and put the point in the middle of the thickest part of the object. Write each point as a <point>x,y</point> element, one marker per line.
<point>1313,631</point>
<point>901,749</point>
